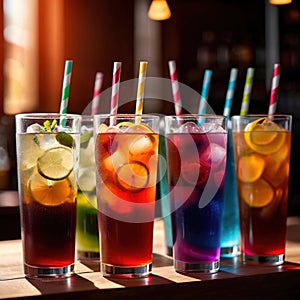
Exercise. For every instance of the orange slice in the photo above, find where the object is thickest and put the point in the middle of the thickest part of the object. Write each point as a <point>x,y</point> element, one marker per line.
<point>257,194</point>
<point>50,193</point>
<point>264,136</point>
<point>250,167</point>
<point>133,176</point>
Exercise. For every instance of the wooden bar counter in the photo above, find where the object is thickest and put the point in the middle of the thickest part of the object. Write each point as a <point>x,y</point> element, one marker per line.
<point>233,281</point>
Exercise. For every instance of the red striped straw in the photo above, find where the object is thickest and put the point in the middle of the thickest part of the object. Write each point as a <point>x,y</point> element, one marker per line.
<point>274,91</point>
<point>97,91</point>
<point>115,88</point>
<point>175,87</point>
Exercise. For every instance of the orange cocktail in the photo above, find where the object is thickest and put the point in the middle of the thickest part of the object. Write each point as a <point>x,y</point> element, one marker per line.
<point>126,160</point>
<point>262,157</point>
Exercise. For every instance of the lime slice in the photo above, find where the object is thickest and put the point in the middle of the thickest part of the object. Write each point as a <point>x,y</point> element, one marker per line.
<point>250,167</point>
<point>51,193</point>
<point>133,176</point>
<point>264,136</point>
<point>56,163</point>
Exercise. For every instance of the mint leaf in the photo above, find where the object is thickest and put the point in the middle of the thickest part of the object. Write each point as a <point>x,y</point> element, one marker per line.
<point>65,139</point>
<point>85,138</point>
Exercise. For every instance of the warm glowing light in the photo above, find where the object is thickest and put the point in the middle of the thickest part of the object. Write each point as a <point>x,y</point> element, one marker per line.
<point>159,10</point>
<point>279,2</point>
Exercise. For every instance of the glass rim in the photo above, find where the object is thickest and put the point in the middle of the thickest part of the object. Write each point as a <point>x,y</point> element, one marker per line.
<point>260,116</point>
<point>46,115</point>
<point>124,115</point>
<point>196,116</point>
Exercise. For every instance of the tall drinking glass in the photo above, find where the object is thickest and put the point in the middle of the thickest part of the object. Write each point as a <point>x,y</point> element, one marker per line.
<point>163,190</point>
<point>126,170</point>
<point>230,237</point>
<point>196,152</point>
<point>47,156</point>
<point>262,154</point>
<point>87,236</point>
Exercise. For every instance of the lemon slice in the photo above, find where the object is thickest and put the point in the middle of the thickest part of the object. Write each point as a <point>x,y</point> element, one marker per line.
<point>102,128</point>
<point>56,163</point>
<point>133,176</point>
<point>264,136</point>
<point>124,125</point>
<point>250,167</point>
<point>257,194</point>
<point>50,193</point>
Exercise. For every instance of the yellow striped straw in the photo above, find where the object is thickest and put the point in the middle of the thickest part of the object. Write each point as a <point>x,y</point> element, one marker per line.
<point>141,88</point>
<point>247,92</point>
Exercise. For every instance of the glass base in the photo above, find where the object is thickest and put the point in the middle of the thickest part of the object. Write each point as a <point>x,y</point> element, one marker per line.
<point>88,255</point>
<point>209,268</point>
<point>125,272</point>
<point>47,272</point>
<point>275,260</point>
<point>230,252</point>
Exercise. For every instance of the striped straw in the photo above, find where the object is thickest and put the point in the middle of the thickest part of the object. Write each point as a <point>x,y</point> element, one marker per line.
<point>97,91</point>
<point>141,88</point>
<point>175,87</point>
<point>247,92</point>
<point>274,91</point>
<point>230,92</point>
<point>115,88</point>
<point>66,89</point>
<point>205,91</point>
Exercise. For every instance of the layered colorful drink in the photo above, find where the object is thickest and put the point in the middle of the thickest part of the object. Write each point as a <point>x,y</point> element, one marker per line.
<point>262,156</point>
<point>47,175</point>
<point>196,152</point>
<point>126,160</point>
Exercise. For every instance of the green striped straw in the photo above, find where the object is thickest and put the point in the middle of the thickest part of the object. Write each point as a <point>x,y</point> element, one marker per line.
<point>230,92</point>
<point>247,92</point>
<point>66,90</point>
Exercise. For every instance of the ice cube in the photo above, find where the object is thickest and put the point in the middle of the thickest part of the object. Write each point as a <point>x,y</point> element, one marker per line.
<point>189,127</point>
<point>47,140</point>
<point>141,144</point>
<point>211,128</point>
<point>87,180</point>
<point>214,153</point>
<point>34,128</point>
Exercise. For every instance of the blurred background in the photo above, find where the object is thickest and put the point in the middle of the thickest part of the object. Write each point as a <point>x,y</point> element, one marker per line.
<point>39,35</point>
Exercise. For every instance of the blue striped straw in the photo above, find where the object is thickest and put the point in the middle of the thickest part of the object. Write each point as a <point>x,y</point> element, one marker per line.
<point>205,91</point>
<point>230,92</point>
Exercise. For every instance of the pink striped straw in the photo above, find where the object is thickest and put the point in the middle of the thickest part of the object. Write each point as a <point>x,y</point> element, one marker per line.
<point>97,91</point>
<point>175,87</point>
<point>274,91</point>
<point>115,87</point>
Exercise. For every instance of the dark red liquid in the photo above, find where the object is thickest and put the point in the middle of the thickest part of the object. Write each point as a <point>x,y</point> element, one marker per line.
<point>49,234</point>
<point>121,244</point>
